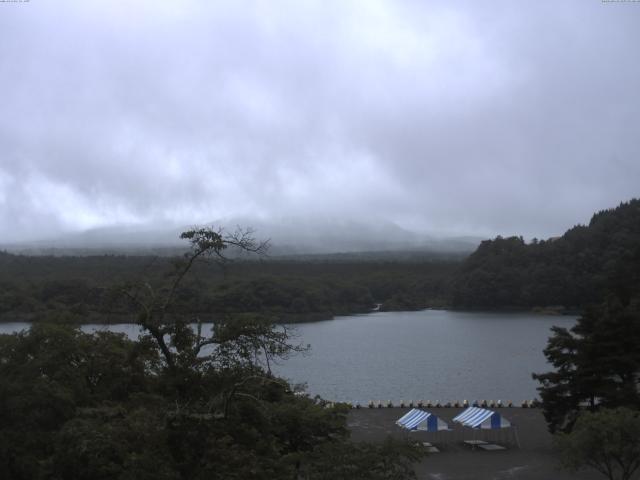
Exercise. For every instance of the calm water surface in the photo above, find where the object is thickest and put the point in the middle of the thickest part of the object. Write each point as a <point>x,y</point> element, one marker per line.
<point>429,355</point>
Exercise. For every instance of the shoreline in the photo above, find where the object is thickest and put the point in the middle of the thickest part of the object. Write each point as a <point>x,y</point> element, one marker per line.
<point>534,459</point>
<point>97,319</point>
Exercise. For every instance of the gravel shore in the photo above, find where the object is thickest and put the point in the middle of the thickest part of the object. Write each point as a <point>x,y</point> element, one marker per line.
<point>532,459</point>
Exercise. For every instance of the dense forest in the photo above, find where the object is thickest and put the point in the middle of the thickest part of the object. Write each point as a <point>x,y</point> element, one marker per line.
<point>89,288</point>
<point>558,274</point>
<point>178,403</point>
<point>591,396</point>
<point>570,272</point>
<point>183,402</point>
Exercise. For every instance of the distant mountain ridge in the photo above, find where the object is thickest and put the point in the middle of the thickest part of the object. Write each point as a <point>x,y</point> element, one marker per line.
<point>288,236</point>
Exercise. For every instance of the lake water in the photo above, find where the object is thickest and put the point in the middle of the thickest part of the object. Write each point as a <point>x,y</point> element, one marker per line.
<point>426,355</point>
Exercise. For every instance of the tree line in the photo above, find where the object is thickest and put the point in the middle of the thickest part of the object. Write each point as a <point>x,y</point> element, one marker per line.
<point>565,273</point>
<point>88,289</point>
<point>181,402</point>
<point>187,403</point>
<point>591,397</point>
<point>572,271</point>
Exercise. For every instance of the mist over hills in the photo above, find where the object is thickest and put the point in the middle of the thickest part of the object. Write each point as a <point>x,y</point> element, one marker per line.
<point>287,237</point>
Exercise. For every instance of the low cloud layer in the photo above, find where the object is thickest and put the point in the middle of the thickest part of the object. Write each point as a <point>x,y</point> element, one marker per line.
<point>456,117</point>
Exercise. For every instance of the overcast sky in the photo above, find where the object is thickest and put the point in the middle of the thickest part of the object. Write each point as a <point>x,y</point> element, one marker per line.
<point>478,117</point>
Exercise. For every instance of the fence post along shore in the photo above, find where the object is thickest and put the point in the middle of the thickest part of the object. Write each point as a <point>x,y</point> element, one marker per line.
<point>449,404</point>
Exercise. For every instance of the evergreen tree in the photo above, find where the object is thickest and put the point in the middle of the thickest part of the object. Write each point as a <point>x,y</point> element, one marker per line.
<point>597,363</point>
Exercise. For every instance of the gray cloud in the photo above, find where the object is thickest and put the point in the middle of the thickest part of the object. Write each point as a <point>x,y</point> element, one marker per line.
<point>467,117</point>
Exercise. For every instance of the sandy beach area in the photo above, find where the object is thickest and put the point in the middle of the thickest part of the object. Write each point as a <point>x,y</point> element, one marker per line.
<point>528,454</point>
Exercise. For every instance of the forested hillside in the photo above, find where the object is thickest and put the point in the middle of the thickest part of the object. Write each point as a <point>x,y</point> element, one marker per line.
<point>89,288</point>
<point>571,271</point>
<point>177,403</point>
<point>567,272</point>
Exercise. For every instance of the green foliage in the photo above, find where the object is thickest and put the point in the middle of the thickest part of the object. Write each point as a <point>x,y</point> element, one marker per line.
<point>597,363</point>
<point>48,375</point>
<point>607,440</point>
<point>113,442</point>
<point>360,461</point>
<point>88,289</point>
<point>97,406</point>
<point>574,270</point>
<point>180,403</point>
